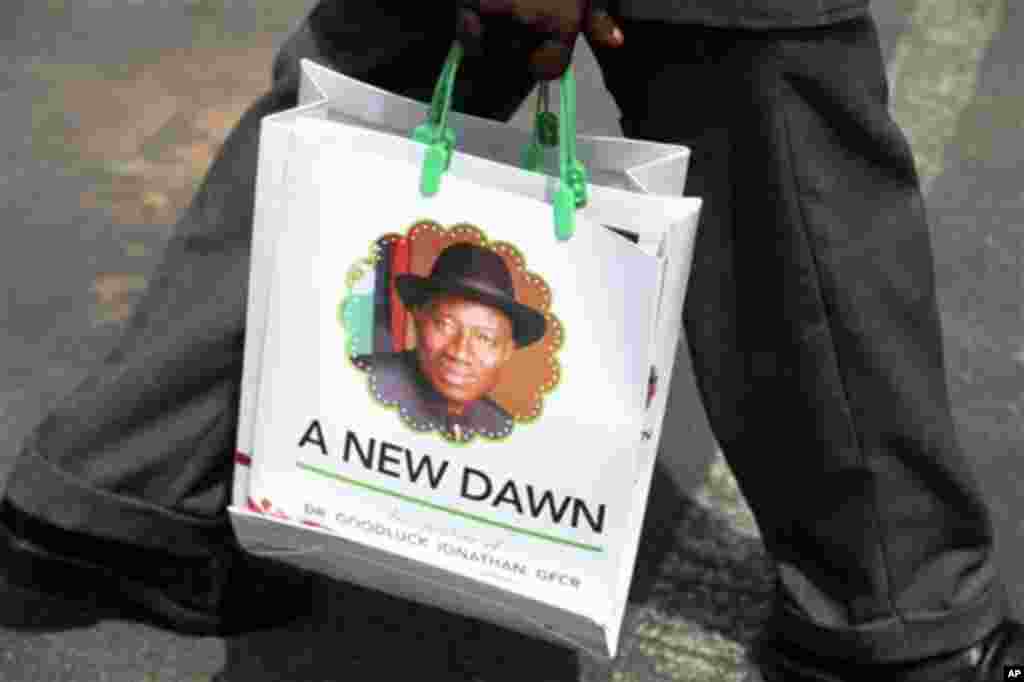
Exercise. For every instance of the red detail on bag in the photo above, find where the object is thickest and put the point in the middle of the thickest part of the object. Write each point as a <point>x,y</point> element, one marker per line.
<point>251,504</point>
<point>399,266</point>
<point>243,459</point>
<point>312,523</point>
<point>652,386</point>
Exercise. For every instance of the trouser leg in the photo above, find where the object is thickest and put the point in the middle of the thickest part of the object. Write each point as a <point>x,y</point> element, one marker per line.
<point>812,319</point>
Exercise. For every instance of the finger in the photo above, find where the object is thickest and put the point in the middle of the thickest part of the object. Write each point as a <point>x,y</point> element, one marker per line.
<point>602,31</point>
<point>538,16</point>
<point>469,30</point>
<point>496,6</point>
<point>551,59</point>
<point>508,38</point>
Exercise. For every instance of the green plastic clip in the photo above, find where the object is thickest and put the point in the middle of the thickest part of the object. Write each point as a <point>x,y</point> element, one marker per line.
<point>545,131</point>
<point>435,132</point>
<point>572,190</point>
<point>549,130</point>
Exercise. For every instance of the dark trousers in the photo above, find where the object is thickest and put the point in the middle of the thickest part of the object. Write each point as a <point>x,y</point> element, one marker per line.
<point>811,315</point>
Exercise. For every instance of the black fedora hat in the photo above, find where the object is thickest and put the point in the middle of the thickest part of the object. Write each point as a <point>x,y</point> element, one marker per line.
<point>479,274</point>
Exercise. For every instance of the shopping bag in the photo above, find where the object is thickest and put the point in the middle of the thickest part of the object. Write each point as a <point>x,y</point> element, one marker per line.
<point>456,368</point>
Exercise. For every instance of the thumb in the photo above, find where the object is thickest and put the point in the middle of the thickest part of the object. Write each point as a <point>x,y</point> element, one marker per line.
<point>602,31</point>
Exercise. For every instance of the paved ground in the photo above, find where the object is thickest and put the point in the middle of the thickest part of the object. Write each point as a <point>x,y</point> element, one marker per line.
<point>111,111</point>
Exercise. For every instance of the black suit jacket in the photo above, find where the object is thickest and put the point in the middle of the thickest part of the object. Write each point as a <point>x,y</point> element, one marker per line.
<point>752,14</point>
<point>396,381</point>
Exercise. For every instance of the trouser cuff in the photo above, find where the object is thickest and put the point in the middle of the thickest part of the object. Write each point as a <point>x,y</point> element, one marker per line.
<point>41,490</point>
<point>904,638</point>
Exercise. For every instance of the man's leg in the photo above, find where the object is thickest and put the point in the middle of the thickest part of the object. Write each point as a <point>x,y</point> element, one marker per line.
<point>812,318</point>
<point>133,468</point>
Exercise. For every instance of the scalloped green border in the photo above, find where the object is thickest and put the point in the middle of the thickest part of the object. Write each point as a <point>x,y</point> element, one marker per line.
<point>354,274</point>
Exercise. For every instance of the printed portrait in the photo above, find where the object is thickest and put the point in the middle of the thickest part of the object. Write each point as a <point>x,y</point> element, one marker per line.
<point>452,331</point>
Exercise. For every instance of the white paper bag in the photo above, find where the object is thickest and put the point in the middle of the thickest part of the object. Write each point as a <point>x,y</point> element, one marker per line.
<point>494,455</point>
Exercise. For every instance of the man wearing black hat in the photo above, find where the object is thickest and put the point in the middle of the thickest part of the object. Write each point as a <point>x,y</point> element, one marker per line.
<point>468,324</point>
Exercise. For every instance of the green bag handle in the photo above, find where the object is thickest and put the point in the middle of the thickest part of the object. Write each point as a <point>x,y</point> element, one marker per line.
<point>549,130</point>
<point>435,132</point>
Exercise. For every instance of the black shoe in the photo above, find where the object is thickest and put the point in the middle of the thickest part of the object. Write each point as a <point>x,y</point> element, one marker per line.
<point>986,661</point>
<point>210,596</point>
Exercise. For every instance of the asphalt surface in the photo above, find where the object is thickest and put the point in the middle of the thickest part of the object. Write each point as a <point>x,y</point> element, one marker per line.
<point>111,111</point>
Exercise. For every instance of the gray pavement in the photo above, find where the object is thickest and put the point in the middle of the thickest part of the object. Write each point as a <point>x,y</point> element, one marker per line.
<point>112,110</point>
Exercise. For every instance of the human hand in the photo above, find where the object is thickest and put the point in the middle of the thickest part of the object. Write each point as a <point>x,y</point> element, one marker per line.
<point>551,26</point>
